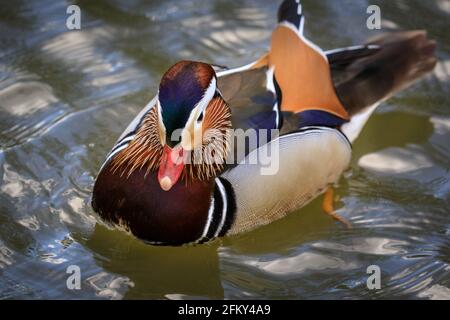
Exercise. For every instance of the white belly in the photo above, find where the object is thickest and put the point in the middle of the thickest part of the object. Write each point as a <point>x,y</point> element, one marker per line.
<point>307,162</point>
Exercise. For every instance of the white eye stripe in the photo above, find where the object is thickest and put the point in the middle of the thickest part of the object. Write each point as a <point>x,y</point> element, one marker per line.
<point>200,107</point>
<point>199,110</point>
<point>209,94</point>
<point>162,127</point>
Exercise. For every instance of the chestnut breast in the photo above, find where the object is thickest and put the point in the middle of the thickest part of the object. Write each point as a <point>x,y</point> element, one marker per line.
<point>139,204</point>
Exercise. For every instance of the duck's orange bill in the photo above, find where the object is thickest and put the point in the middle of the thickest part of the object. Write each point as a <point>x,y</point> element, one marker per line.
<point>171,166</point>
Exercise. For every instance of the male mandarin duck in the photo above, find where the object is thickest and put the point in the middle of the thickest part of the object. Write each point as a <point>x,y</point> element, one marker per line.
<point>310,104</point>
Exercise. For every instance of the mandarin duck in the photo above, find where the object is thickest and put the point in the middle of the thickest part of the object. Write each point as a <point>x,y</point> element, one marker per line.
<point>178,175</point>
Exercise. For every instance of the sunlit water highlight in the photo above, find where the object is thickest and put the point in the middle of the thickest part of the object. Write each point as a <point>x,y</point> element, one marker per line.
<point>65,96</point>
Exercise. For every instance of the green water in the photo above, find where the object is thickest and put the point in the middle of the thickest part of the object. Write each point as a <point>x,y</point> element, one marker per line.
<point>65,96</point>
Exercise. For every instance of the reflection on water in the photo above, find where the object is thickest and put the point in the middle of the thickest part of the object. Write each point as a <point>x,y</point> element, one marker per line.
<point>65,96</point>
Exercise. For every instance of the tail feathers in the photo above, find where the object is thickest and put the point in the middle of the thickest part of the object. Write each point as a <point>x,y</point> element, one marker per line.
<point>341,58</point>
<point>384,66</point>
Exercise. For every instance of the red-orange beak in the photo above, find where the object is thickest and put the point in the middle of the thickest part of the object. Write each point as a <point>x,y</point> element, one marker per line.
<point>171,166</point>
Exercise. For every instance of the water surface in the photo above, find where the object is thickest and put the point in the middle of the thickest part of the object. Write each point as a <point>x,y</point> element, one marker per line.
<point>65,96</point>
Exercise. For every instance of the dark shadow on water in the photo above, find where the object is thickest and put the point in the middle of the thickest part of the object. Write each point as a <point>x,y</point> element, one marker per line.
<point>191,271</point>
<point>392,129</point>
<point>66,96</point>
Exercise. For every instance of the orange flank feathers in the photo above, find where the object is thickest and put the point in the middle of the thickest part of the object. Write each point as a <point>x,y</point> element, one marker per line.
<point>303,74</point>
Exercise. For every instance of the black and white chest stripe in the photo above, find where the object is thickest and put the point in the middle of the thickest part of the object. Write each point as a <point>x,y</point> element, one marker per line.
<point>130,132</point>
<point>221,211</point>
<point>120,145</point>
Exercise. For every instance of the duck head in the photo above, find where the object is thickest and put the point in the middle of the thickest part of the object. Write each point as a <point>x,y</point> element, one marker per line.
<point>186,135</point>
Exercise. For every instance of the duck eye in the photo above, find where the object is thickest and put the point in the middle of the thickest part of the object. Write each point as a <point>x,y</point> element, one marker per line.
<point>200,117</point>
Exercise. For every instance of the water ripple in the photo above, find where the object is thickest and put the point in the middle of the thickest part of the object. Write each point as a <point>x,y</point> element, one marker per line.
<point>65,96</point>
